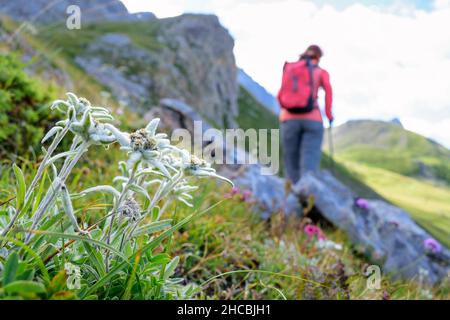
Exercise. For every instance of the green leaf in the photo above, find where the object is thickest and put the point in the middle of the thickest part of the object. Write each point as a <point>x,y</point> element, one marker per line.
<point>67,154</point>
<point>23,286</point>
<point>81,238</point>
<point>37,198</point>
<point>149,246</point>
<point>32,253</point>
<point>96,259</point>
<point>155,213</point>
<point>139,189</point>
<point>9,273</point>
<point>152,227</point>
<point>170,268</point>
<point>20,186</point>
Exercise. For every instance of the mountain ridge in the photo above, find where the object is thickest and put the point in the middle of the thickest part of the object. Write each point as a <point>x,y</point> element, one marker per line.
<point>258,91</point>
<point>389,146</point>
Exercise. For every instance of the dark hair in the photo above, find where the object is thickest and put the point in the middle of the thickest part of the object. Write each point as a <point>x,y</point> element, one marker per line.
<point>312,52</point>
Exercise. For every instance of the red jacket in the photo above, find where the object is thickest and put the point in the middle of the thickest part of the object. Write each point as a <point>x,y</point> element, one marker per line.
<point>321,80</point>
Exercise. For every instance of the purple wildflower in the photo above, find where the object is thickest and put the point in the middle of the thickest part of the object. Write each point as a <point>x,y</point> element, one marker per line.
<point>362,203</point>
<point>432,245</point>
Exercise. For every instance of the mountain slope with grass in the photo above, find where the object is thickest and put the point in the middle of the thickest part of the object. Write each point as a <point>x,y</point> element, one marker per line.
<point>401,166</point>
<point>128,65</point>
<point>388,146</point>
<point>258,91</point>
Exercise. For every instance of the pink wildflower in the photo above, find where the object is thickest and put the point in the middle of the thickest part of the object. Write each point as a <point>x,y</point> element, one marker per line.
<point>246,195</point>
<point>235,190</point>
<point>312,230</point>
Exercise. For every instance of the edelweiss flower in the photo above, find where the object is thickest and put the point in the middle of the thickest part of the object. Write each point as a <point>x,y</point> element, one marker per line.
<point>143,144</point>
<point>194,166</point>
<point>180,191</point>
<point>75,107</point>
<point>130,209</point>
<point>91,130</point>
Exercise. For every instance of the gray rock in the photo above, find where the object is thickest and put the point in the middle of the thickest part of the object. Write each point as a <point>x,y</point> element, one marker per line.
<point>189,58</point>
<point>268,191</point>
<point>202,51</point>
<point>385,233</point>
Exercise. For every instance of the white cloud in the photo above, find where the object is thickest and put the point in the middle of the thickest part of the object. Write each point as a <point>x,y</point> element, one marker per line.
<point>440,4</point>
<point>382,64</point>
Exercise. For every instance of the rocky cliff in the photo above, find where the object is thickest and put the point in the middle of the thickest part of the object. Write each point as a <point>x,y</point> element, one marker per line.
<point>139,61</point>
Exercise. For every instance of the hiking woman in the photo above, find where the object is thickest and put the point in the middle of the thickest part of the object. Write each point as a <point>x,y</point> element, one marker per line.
<point>300,116</point>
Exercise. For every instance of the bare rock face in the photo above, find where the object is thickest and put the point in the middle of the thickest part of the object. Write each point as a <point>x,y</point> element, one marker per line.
<point>202,50</point>
<point>44,11</point>
<point>384,233</point>
<point>192,62</point>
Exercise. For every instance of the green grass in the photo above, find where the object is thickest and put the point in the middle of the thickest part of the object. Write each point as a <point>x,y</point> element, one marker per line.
<point>75,42</point>
<point>252,114</point>
<point>272,261</point>
<point>428,204</point>
<point>389,146</point>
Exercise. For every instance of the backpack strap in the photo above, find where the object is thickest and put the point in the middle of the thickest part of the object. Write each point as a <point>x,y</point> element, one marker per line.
<point>311,80</point>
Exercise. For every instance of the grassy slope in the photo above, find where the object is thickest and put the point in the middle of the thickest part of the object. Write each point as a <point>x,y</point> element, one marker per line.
<point>252,114</point>
<point>389,146</point>
<point>56,57</point>
<point>385,157</point>
<point>74,42</point>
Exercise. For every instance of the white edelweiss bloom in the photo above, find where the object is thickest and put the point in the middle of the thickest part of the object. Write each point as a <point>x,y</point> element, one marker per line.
<point>91,130</point>
<point>130,209</point>
<point>143,144</point>
<point>181,192</point>
<point>194,166</point>
<point>75,107</point>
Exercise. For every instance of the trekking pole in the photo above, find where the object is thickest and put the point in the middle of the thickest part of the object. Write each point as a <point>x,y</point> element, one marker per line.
<point>330,144</point>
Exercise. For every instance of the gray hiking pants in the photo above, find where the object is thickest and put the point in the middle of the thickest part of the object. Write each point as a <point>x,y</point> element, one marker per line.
<point>302,142</point>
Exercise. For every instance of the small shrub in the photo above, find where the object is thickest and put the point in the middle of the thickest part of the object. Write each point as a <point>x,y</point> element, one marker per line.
<point>23,108</point>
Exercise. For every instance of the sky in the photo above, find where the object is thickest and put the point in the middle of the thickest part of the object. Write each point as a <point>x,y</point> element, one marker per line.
<point>386,58</point>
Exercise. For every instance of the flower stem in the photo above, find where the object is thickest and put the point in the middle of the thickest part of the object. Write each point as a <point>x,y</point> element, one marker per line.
<point>114,211</point>
<point>56,141</point>
<point>56,187</point>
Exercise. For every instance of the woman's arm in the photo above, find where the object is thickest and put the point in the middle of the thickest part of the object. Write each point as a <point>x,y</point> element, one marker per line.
<point>325,83</point>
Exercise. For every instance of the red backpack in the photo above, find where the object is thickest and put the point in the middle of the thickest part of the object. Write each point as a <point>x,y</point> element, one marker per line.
<point>297,87</point>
